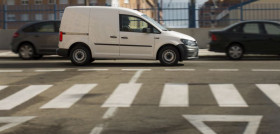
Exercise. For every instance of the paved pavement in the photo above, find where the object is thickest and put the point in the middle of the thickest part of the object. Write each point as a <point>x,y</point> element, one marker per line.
<point>209,95</point>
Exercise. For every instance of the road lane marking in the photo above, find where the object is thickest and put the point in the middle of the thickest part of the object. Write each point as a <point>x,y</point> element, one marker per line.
<point>227,95</point>
<point>70,96</point>
<point>50,70</point>
<point>179,69</point>
<point>198,122</point>
<point>224,70</point>
<point>110,113</point>
<point>123,95</point>
<point>97,130</point>
<point>136,69</point>
<point>266,70</point>
<point>92,70</point>
<point>175,95</point>
<point>22,96</point>
<point>272,91</point>
<point>10,71</point>
<point>3,87</point>
<point>13,121</point>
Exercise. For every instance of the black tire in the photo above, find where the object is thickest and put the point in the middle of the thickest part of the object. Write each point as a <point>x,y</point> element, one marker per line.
<point>169,56</point>
<point>26,51</point>
<point>38,57</point>
<point>80,55</point>
<point>235,52</point>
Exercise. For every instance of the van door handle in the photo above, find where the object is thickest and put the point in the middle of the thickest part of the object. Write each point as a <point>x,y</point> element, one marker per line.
<point>124,37</point>
<point>113,37</point>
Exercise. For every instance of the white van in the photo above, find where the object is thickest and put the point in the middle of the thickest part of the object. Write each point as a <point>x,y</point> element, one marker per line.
<point>89,33</point>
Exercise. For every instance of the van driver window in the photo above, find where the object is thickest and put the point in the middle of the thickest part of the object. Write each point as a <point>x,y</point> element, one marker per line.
<point>132,24</point>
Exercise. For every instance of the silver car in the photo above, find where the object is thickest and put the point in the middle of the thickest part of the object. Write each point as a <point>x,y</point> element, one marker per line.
<point>34,40</point>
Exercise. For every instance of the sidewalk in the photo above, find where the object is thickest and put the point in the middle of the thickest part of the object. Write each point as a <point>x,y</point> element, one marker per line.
<point>202,53</point>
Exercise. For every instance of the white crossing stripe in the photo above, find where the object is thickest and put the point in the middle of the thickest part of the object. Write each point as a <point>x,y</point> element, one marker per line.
<point>266,70</point>
<point>10,71</point>
<point>175,95</point>
<point>224,70</point>
<point>6,53</point>
<point>50,70</point>
<point>22,96</point>
<point>3,87</point>
<point>123,95</point>
<point>272,91</point>
<point>70,96</point>
<point>227,95</point>
<point>179,69</point>
<point>93,69</point>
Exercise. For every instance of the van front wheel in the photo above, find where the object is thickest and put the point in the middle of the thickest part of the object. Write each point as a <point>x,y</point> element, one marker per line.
<point>169,56</point>
<point>80,55</point>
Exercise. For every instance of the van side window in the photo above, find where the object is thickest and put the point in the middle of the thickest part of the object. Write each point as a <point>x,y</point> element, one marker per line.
<point>133,24</point>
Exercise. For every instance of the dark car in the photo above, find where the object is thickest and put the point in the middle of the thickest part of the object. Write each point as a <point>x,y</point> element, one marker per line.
<point>34,40</point>
<point>249,37</point>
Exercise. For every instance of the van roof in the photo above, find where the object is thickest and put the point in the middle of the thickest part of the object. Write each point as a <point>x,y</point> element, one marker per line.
<point>107,7</point>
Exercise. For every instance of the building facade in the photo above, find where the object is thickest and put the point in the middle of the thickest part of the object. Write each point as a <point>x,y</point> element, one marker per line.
<point>210,10</point>
<point>15,13</point>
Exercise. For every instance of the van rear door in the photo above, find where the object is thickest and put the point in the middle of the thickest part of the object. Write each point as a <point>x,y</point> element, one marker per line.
<point>104,32</point>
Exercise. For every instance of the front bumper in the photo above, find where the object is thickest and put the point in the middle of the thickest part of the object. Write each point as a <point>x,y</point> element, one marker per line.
<point>188,52</point>
<point>62,52</point>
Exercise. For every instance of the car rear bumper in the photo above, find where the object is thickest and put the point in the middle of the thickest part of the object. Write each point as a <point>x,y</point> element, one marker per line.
<point>62,52</point>
<point>188,52</point>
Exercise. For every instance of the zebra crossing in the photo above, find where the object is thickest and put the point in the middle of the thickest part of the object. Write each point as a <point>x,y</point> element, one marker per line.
<point>172,95</point>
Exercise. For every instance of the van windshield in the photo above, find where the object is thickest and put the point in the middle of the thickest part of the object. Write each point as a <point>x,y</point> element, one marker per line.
<point>155,23</point>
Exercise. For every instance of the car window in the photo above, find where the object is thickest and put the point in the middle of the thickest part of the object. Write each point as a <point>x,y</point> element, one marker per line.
<point>28,29</point>
<point>251,28</point>
<point>272,29</point>
<point>57,26</point>
<point>236,29</point>
<point>132,24</point>
<point>44,27</point>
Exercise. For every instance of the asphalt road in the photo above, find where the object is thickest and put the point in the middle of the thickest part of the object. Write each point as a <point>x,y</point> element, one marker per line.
<point>210,95</point>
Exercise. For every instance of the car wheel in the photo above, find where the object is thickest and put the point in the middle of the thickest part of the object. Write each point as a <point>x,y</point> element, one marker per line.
<point>80,56</point>
<point>169,56</point>
<point>235,52</point>
<point>26,51</point>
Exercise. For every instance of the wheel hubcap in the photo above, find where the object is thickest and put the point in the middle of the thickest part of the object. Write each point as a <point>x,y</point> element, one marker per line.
<point>26,51</point>
<point>235,51</point>
<point>169,55</point>
<point>79,55</point>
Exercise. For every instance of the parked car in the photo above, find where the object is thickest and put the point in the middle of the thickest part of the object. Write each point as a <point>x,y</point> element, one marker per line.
<point>248,37</point>
<point>91,33</point>
<point>34,40</point>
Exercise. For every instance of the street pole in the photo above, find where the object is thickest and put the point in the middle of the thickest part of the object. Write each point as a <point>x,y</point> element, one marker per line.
<point>86,2</point>
<point>241,10</point>
<point>192,14</point>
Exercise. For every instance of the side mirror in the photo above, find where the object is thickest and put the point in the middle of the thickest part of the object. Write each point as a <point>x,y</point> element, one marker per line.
<point>147,30</point>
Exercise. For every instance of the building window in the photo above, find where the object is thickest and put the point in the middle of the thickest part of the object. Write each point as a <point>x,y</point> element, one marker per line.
<point>10,2</point>
<point>126,1</point>
<point>38,2</point>
<point>92,2</point>
<point>38,17</point>
<point>51,17</point>
<point>24,17</point>
<point>24,2</point>
<point>51,1</point>
<point>63,1</point>
<point>11,17</point>
<point>81,1</point>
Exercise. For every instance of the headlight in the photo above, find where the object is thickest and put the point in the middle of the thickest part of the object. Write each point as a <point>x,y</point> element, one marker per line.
<point>188,42</point>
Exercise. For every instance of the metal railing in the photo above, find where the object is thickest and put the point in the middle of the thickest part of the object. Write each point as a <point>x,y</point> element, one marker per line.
<point>175,15</point>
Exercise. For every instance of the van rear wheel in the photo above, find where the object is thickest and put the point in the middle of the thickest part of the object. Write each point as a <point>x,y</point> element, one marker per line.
<point>80,55</point>
<point>169,56</point>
